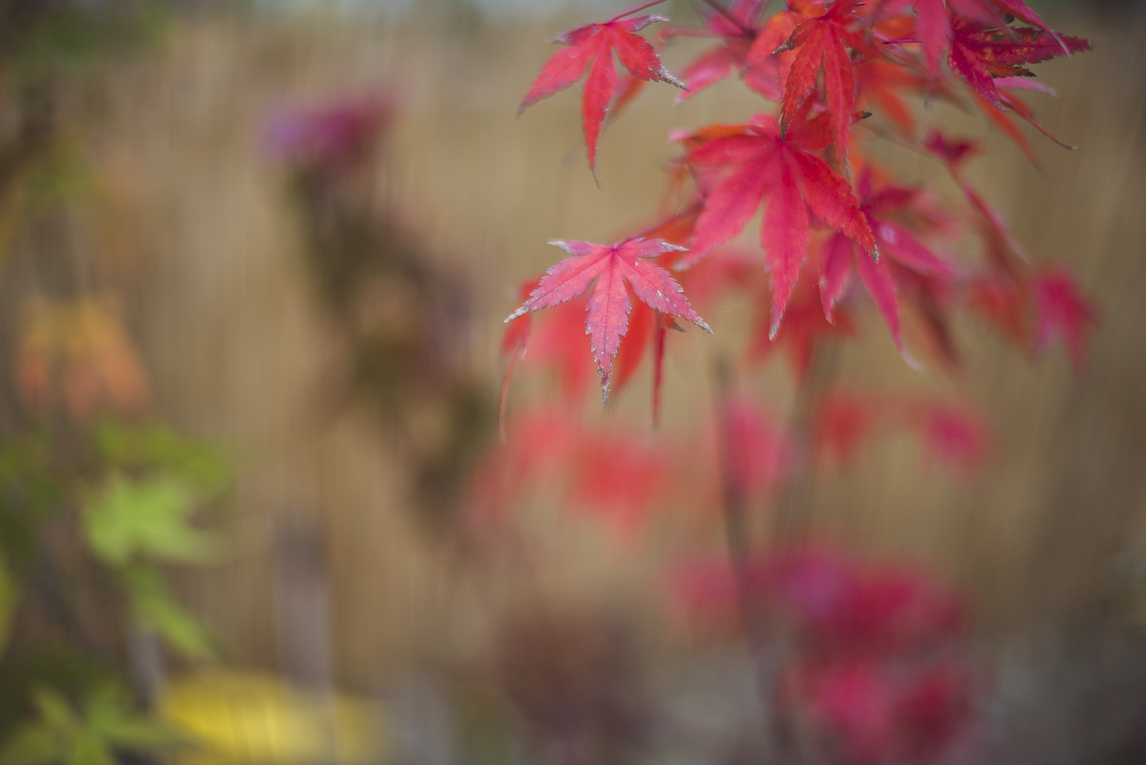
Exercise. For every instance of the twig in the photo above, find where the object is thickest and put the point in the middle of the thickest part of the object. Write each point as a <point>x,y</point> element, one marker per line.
<point>754,618</point>
<point>637,9</point>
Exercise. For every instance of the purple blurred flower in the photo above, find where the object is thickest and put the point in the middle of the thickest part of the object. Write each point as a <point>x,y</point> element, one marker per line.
<point>332,135</point>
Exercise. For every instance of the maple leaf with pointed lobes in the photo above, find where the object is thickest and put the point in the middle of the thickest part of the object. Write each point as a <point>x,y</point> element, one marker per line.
<point>749,45</point>
<point>591,48</point>
<point>821,42</point>
<point>933,24</point>
<point>980,55</point>
<point>894,240</point>
<point>953,152</point>
<point>802,332</point>
<point>785,174</point>
<point>933,29</point>
<point>879,82</point>
<point>609,304</point>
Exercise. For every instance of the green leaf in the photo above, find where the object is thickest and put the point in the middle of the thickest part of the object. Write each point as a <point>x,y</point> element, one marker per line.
<point>157,609</point>
<point>54,709</point>
<point>157,446</point>
<point>29,745</point>
<point>89,749</point>
<point>105,705</point>
<point>108,713</point>
<point>149,517</point>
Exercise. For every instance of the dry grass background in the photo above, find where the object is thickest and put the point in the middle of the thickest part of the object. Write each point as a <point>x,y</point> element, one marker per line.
<point>236,343</point>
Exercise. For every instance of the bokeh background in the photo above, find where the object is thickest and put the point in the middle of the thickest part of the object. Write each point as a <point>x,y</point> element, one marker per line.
<point>182,217</point>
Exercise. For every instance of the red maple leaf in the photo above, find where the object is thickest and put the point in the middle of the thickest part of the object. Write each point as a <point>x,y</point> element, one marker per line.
<point>895,242</point>
<point>954,152</point>
<point>1004,301</point>
<point>591,48</point>
<point>617,475</point>
<point>609,304</point>
<point>756,452</point>
<point>934,22</point>
<point>556,343</point>
<point>749,46</point>
<point>954,434</point>
<point>979,55</point>
<point>784,171</point>
<point>1061,310</point>
<point>879,84</point>
<point>821,41</point>
<point>804,329</point>
<point>933,30</point>
<point>842,422</point>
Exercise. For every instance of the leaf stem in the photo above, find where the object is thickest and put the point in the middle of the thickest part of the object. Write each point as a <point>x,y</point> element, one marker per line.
<point>767,659</point>
<point>637,9</point>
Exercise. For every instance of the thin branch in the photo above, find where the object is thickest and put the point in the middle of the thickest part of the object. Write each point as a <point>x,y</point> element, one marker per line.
<point>737,538</point>
<point>637,9</point>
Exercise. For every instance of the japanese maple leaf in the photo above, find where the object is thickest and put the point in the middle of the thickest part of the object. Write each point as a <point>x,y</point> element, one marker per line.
<point>979,55</point>
<point>1061,309</point>
<point>785,173</point>
<point>954,152</point>
<point>609,304</point>
<point>804,329</point>
<point>896,242</point>
<point>821,42</point>
<point>749,46</point>
<point>933,23</point>
<point>555,344</point>
<point>618,475</point>
<point>591,48</point>
<point>880,84</point>
<point>933,30</point>
<point>1004,301</point>
<point>1016,107</point>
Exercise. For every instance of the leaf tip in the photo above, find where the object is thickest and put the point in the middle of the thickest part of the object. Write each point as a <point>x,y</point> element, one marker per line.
<point>667,76</point>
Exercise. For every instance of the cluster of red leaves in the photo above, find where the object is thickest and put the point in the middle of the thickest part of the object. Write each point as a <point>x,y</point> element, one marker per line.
<point>622,476</point>
<point>824,206</point>
<point>952,434</point>
<point>875,667</point>
<point>873,662</point>
<point>613,474</point>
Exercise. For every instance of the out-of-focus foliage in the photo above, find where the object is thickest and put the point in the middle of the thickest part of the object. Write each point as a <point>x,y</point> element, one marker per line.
<point>250,719</point>
<point>88,492</point>
<point>103,726</point>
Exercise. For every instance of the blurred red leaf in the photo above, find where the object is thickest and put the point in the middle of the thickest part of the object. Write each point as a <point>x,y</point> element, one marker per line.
<point>1061,311</point>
